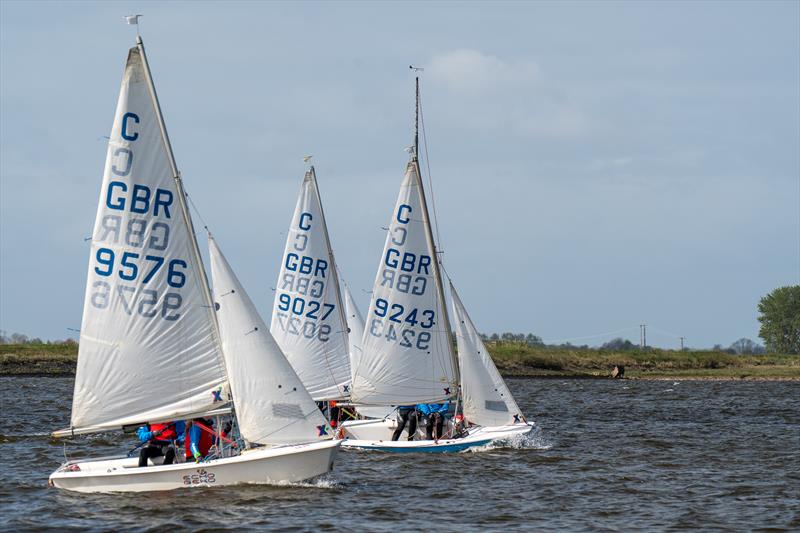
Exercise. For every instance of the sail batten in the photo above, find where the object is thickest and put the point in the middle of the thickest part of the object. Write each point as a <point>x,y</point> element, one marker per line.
<point>149,346</point>
<point>308,319</point>
<point>406,354</point>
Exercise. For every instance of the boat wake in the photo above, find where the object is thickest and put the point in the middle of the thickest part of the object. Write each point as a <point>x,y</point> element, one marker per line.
<point>533,440</point>
<point>323,482</point>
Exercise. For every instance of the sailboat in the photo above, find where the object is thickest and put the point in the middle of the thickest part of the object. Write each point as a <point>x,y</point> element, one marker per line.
<point>407,355</point>
<point>156,346</point>
<point>308,320</point>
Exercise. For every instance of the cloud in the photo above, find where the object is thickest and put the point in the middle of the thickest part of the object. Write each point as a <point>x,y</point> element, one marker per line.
<point>484,91</point>
<point>474,72</point>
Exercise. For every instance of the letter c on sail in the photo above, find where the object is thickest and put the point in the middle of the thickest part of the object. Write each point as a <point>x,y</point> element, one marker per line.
<point>305,225</point>
<point>125,135</point>
<point>400,219</point>
<point>128,162</point>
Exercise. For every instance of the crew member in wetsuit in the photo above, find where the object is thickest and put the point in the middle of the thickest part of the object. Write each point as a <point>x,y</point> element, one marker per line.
<point>406,413</point>
<point>200,441</point>
<point>435,413</point>
<point>160,440</point>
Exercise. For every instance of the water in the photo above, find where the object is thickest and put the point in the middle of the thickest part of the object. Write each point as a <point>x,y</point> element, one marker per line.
<point>609,456</point>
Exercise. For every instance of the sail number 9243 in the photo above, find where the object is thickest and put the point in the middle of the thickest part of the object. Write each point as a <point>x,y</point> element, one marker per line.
<point>395,313</point>
<point>407,337</point>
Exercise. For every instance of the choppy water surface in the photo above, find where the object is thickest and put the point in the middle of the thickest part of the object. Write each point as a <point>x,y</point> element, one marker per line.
<point>610,455</point>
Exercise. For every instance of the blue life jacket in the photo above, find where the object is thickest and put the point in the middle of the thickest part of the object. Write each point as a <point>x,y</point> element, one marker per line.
<point>428,409</point>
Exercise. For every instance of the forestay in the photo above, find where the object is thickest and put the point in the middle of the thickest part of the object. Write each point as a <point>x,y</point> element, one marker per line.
<point>487,400</point>
<point>148,342</point>
<point>308,320</point>
<point>406,355</point>
<point>272,406</point>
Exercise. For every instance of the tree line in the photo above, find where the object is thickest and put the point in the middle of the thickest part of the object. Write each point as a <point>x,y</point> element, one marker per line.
<point>20,338</point>
<point>779,315</point>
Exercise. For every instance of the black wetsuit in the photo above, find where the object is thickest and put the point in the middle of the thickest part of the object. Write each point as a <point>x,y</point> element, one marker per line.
<point>406,414</point>
<point>438,419</point>
<point>157,449</point>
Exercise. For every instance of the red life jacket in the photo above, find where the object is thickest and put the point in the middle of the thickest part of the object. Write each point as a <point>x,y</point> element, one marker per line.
<point>206,441</point>
<point>167,430</point>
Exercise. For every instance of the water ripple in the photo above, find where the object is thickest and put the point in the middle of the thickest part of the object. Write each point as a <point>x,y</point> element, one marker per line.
<point>606,456</point>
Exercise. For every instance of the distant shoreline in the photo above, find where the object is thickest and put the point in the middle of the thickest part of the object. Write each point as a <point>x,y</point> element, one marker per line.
<point>514,360</point>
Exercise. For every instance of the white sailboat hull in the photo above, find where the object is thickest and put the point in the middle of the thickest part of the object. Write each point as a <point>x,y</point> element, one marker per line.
<point>284,464</point>
<point>376,435</point>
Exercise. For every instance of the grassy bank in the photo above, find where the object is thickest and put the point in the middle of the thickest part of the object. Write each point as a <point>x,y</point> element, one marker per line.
<point>519,359</point>
<point>38,359</point>
<point>513,359</point>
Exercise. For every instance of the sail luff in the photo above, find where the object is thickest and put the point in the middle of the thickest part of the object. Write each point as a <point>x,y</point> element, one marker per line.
<point>334,270</point>
<point>432,242</point>
<point>181,197</point>
<point>437,270</point>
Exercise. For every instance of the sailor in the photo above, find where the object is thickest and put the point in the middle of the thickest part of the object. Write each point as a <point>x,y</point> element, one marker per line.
<point>160,439</point>
<point>459,426</point>
<point>434,414</point>
<point>200,440</point>
<point>406,413</point>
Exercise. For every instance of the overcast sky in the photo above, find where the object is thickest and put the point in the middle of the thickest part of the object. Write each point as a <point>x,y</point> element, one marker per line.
<point>595,165</point>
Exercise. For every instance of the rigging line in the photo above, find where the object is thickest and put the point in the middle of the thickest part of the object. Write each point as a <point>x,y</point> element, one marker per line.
<point>197,211</point>
<point>430,180</point>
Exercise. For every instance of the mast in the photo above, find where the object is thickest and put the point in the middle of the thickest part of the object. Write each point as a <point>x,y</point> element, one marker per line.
<point>200,269</point>
<point>432,243</point>
<point>334,269</point>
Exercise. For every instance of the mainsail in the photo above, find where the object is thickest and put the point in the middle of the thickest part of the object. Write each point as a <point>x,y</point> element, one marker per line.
<point>308,320</point>
<point>406,355</point>
<point>487,400</point>
<point>272,406</point>
<point>148,344</point>
<point>355,323</point>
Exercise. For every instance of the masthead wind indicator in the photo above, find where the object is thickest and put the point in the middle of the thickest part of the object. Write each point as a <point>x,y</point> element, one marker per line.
<point>133,20</point>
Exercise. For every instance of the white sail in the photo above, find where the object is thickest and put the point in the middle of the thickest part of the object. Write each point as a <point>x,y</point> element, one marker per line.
<point>308,320</point>
<point>148,342</point>
<point>272,406</point>
<point>406,354</point>
<point>355,325</point>
<point>487,400</point>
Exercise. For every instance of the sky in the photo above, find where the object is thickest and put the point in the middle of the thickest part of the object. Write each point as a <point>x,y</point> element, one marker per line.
<point>595,165</point>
